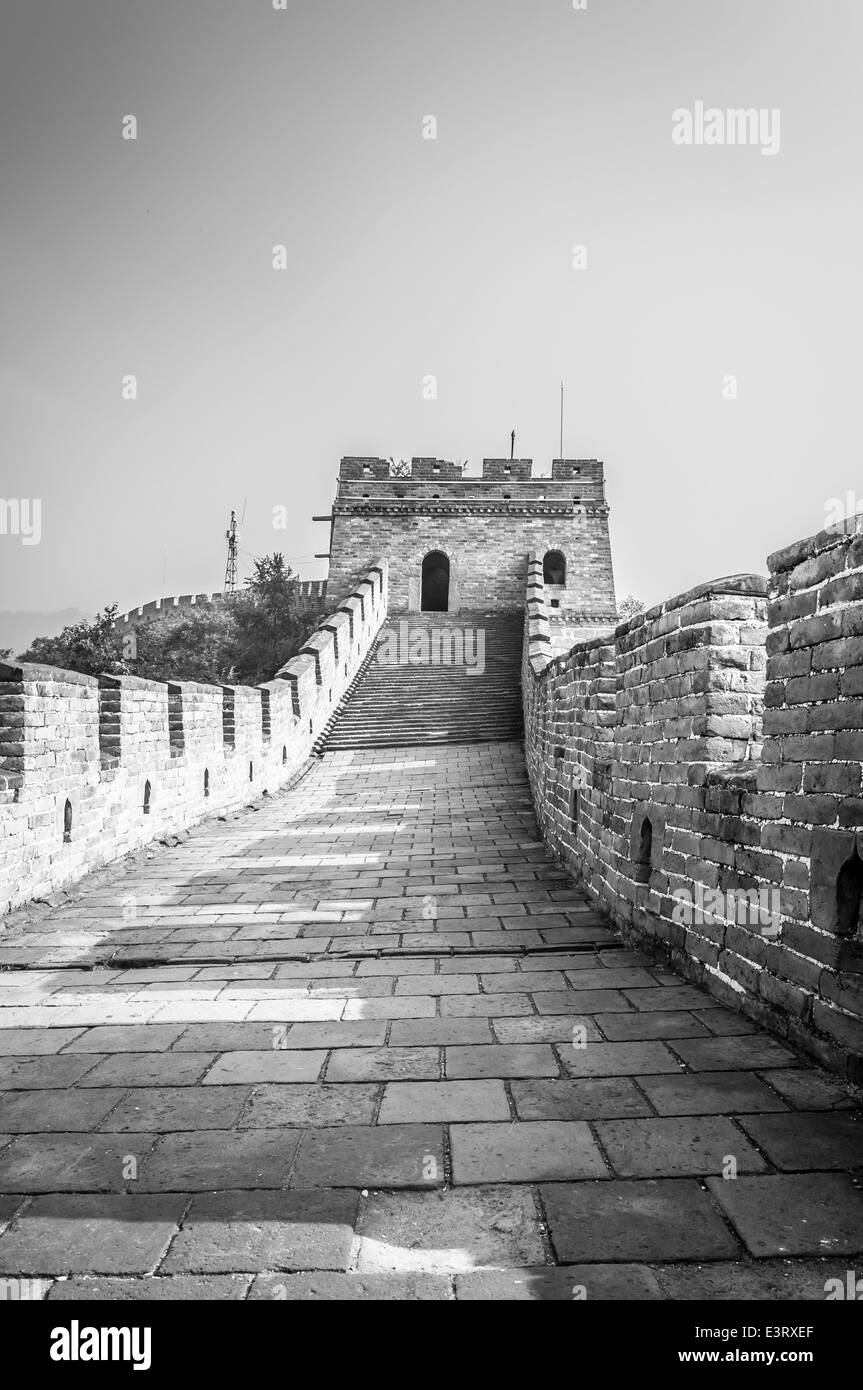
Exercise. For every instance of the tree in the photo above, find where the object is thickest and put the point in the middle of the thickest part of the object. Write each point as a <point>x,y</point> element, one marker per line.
<point>268,630</point>
<point>628,607</point>
<point>242,640</point>
<point>399,468</point>
<point>191,644</point>
<point>90,647</point>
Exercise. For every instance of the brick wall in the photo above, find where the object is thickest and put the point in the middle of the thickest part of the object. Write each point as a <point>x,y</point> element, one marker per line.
<point>91,768</point>
<point>700,770</point>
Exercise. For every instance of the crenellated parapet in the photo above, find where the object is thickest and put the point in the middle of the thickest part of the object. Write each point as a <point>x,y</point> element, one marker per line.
<point>310,596</point>
<point>701,770</point>
<point>93,767</point>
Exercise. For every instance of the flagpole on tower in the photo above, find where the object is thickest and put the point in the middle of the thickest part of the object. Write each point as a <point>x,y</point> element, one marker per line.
<point>561,419</point>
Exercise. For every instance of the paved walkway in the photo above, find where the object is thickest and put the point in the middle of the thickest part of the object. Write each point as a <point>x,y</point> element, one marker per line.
<point>368,1041</point>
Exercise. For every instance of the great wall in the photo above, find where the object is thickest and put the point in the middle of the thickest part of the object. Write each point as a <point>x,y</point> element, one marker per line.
<point>544,953</point>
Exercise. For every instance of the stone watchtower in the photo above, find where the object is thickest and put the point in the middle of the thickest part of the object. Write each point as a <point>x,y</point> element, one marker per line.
<point>461,543</point>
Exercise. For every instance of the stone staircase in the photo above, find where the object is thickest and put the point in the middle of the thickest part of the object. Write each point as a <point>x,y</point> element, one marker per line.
<point>474,697</point>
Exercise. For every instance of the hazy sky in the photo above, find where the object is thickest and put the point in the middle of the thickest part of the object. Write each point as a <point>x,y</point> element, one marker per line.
<point>409,257</point>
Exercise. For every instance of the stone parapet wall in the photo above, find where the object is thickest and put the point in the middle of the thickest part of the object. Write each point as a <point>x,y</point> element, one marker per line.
<point>310,596</point>
<point>700,770</point>
<point>93,767</point>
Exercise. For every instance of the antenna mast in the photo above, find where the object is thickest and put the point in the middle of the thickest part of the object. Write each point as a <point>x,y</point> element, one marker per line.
<point>231,566</point>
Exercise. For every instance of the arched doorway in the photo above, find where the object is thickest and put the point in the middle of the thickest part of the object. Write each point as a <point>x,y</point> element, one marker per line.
<point>435,590</point>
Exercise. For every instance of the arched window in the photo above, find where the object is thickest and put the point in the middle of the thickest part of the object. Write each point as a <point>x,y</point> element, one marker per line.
<point>849,888</point>
<point>206,781</point>
<point>147,794</point>
<point>251,772</point>
<point>554,567</point>
<point>67,823</point>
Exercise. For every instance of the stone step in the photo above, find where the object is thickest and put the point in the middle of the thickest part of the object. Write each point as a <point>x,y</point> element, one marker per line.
<point>395,703</point>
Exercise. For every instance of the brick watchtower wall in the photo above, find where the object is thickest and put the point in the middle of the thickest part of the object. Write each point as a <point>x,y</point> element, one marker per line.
<point>485,526</point>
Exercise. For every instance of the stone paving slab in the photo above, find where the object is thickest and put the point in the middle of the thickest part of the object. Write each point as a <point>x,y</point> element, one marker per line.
<point>451,1231</point>
<point>311,1106</point>
<point>409,1155</point>
<point>595,1099</point>
<point>310,1090</point>
<point>795,1142</point>
<point>384,1064</point>
<point>165,1108</point>
<point>152,1037</point>
<point>545,1151</point>
<point>72,1162</point>
<point>795,1214</point>
<point>274,1065</point>
<point>135,1069</point>
<point>44,1073</point>
<point>642,1221</point>
<point>582,1001</point>
<point>552,1028</point>
<point>810,1090</point>
<point>206,1160</point>
<point>723,1022</point>
<point>622,1027</point>
<point>486,1006</point>
<point>685,997</point>
<point>710,1093</point>
<point>407,1101</point>
<point>263,1231</point>
<point>435,1032</point>
<point>619,1059</point>
<point>524,1059</point>
<point>116,1234</point>
<point>732,1054</point>
<point>31,1112</point>
<point>30,1042</point>
<point>676,1147</point>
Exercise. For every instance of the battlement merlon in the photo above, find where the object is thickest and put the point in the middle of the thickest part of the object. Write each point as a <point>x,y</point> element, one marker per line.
<point>433,470</point>
<point>500,470</point>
